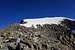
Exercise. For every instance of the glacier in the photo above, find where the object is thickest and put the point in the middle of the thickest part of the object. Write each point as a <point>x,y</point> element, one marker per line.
<point>45,20</point>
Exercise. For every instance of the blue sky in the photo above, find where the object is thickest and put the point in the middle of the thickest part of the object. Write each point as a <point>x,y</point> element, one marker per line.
<point>15,10</point>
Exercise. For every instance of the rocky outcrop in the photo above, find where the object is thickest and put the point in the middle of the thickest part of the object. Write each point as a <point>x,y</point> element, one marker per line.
<point>46,37</point>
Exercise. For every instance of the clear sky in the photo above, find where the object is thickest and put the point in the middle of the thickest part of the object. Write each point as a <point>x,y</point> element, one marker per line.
<point>14,10</point>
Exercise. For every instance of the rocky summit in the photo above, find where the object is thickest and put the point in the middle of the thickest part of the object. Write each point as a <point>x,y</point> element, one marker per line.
<point>55,33</point>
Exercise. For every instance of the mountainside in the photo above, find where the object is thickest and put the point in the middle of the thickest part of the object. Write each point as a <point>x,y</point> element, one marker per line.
<point>55,33</point>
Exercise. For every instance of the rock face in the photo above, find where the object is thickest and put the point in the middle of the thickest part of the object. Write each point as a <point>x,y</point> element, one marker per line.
<point>44,37</point>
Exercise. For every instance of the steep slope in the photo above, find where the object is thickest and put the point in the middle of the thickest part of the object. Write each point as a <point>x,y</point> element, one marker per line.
<point>39,35</point>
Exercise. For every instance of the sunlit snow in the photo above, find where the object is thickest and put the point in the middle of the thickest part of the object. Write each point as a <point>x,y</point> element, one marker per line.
<point>41,21</point>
